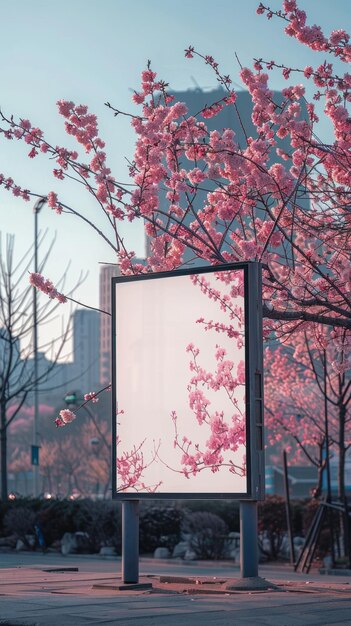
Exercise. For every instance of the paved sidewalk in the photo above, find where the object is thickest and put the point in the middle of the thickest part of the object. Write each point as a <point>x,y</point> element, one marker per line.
<point>78,591</point>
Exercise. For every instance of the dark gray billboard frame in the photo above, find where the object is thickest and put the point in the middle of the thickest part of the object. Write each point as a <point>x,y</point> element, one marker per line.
<point>254,428</point>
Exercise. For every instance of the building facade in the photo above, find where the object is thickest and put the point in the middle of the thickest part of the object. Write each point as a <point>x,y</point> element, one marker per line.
<point>107,272</point>
<point>86,349</point>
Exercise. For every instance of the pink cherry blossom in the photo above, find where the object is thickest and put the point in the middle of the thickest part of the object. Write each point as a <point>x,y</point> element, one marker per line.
<point>46,286</point>
<point>66,416</point>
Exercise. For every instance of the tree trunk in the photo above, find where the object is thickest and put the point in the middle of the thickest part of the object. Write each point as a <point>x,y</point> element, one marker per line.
<point>341,465</point>
<point>316,492</point>
<point>3,451</point>
<point>341,473</point>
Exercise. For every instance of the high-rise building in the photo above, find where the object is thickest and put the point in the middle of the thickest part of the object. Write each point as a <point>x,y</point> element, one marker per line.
<point>107,272</point>
<point>86,349</point>
<point>54,378</point>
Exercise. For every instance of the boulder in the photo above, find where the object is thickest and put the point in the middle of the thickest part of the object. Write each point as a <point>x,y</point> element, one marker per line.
<point>328,561</point>
<point>162,553</point>
<point>28,544</point>
<point>298,542</point>
<point>190,555</point>
<point>232,545</point>
<point>73,543</point>
<point>83,544</point>
<point>107,551</point>
<point>236,556</point>
<point>179,551</point>
<point>68,544</point>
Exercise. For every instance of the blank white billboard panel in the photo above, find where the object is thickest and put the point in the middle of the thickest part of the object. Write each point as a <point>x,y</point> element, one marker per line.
<point>180,377</point>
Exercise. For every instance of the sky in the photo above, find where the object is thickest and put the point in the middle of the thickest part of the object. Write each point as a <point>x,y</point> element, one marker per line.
<point>93,51</point>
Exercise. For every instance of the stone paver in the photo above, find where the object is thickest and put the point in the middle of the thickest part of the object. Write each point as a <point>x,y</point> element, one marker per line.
<point>31,596</point>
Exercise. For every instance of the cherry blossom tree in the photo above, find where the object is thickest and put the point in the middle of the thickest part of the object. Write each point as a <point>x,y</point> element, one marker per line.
<point>308,394</point>
<point>281,197</point>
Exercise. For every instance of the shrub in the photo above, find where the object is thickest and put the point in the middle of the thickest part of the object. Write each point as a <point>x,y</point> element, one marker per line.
<point>102,521</point>
<point>272,526</point>
<point>207,534</point>
<point>159,527</point>
<point>56,518</point>
<point>30,504</point>
<point>20,521</point>
<point>227,510</point>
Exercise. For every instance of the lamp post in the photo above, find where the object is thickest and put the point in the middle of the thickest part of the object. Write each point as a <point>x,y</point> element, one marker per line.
<point>326,425</point>
<point>95,446</point>
<point>35,447</point>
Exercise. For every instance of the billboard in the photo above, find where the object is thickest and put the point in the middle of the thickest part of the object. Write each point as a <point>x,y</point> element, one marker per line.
<point>187,384</point>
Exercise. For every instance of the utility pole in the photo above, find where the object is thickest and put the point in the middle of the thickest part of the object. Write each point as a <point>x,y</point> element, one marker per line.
<point>35,446</point>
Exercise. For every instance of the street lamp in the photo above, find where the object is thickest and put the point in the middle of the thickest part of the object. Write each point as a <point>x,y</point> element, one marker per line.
<point>94,442</point>
<point>35,447</point>
<point>95,446</point>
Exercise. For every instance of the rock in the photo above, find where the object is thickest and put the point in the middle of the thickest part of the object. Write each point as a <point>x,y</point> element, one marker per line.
<point>232,545</point>
<point>180,549</point>
<point>72,543</point>
<point>82,540</point>
<point>328,562</point>
<point>285,548</point>
<point>236,556</point>
<point>68,544</point>
<point>25,545</point>
<point>190,555</point>
<point>31,540</point>
<point>298,541</point>
<point>107,551</point>
<point>264,548</point>
<point>162,553</point>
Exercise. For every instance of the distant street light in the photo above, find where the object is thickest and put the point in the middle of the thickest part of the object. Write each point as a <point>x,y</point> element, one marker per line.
<point>95,446</point>
<point>35,447</point>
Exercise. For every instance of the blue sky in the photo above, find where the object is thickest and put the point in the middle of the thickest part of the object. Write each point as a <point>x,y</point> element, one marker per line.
<point>92,51</point>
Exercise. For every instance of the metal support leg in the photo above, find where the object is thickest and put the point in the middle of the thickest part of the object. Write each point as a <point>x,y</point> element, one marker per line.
<point>130,541</point>
<point>248,540</point>
<point>250,580</point>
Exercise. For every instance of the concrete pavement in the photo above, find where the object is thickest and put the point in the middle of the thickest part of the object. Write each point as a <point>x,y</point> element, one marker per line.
<point>50,590</point>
